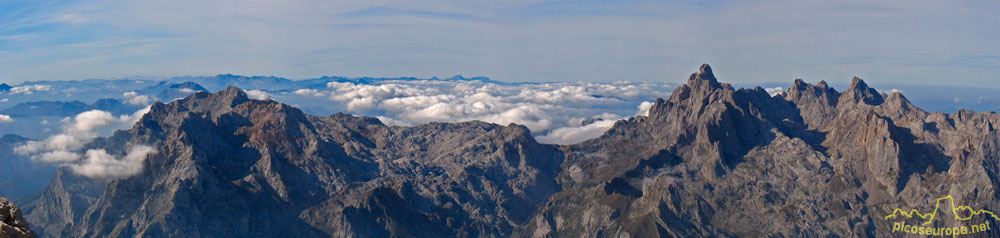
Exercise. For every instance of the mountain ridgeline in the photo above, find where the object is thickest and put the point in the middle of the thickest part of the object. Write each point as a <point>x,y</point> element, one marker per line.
<point>709,161</point>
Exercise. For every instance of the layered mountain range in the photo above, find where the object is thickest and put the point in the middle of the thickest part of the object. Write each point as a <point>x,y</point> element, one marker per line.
<point>709,161</point>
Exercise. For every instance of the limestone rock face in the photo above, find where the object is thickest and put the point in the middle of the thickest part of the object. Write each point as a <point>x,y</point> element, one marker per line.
<point>715,161</point>
<point>709,161</point>
<point>12,224</point>
<point>228,166</point>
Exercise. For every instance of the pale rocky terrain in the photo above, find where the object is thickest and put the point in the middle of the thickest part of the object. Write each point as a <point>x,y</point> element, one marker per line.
<point>12,223</point>
<point>709,161</point>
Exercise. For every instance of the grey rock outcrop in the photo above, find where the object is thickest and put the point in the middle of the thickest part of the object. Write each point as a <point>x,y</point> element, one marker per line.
<point>12,224</point>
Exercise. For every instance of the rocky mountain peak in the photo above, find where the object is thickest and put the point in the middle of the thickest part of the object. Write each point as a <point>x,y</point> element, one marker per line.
<point>897,98</point>
<point>4,87</point>
<point>234,95</point>
<point>705,77</point>
<point>700,85</point>
<point>706,72</point>
<point>801,89</point>
<point>799,84</point>
<point>214,103</point>
<point>816,103</point>
<point>859,92</point>
<point>822,84</point>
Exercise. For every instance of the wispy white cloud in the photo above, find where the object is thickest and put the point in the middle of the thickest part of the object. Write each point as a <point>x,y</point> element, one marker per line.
<point>981,100</point>
<point>99,164</point>
<point>76,132</point>
<point>70,18</point>
<point>774,91</point>
<point>257,94</point>
<point>644,108</point>
<point>30,89</point>
<point>571,135</point>
<point>131,97</point>
<point>308,92</point>
<point>6,118</point>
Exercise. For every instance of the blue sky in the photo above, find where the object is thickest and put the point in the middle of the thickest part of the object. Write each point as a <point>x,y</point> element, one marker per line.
<point>902,42</point>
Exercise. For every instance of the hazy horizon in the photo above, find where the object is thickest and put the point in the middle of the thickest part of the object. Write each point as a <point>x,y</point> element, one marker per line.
<point>931,43</point>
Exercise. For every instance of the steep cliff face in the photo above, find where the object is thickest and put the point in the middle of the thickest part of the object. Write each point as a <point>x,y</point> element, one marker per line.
<point>12,224</point>
<point>709,161</point>
<point>63,202</point>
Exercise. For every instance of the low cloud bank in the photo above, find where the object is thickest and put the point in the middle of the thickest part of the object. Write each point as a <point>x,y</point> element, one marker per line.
<point>258,94</point>
<point>553,111</point>
<point>30,89</point>
<point>99,164</point>
<point>132,97</point>
<point>774,91</point>
<point>77,131</point>
<point>572,135</point>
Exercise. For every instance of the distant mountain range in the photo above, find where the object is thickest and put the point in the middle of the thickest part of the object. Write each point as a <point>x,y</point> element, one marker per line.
<point>709,161</point>
<point>65,109</point>
<point>28,115</point>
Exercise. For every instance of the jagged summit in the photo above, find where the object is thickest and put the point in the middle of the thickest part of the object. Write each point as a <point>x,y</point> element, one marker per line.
<point>816,103</point>
<point>822,84</point>
<point>799,84</point>
<point>234,93</point>
<point>701,84</point>
<point>216,103</point>
<point>704,76</point>
<point>859,92</point>
<point>704,72</point>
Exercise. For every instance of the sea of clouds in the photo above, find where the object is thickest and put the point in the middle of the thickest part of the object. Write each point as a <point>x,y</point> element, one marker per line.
<point>554,112</point>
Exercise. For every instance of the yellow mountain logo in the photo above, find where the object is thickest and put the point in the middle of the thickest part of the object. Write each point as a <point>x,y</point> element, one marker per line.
<point>928,218</point>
